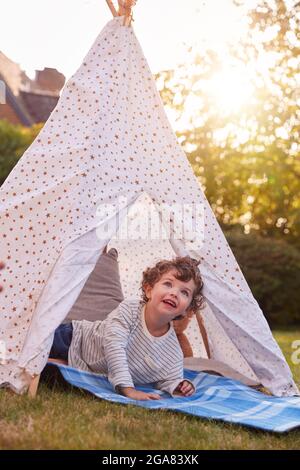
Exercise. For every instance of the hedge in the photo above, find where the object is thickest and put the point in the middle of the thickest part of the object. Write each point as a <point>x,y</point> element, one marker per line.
<point>272,270</point>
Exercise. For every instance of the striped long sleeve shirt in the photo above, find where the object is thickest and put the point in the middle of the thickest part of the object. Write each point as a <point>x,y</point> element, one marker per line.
<point>121,348</point>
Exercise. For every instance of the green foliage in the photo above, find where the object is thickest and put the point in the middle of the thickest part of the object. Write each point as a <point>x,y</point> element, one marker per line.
<point>14,140</point>
<point>247,161</point>
<point>258,190</point>
<point>272,270</point>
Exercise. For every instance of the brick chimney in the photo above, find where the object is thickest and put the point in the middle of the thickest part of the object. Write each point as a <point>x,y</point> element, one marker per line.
<point>49,79</point>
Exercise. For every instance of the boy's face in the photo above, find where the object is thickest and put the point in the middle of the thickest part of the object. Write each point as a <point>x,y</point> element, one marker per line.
<point>170,296</point>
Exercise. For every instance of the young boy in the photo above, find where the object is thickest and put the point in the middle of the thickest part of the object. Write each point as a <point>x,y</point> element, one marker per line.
<point>136,343</point>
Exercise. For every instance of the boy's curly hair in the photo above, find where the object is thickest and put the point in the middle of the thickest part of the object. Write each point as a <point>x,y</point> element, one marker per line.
<point>186,268</point>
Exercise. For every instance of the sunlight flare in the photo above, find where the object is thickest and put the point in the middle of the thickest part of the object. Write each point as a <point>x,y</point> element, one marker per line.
<point>231,89</point>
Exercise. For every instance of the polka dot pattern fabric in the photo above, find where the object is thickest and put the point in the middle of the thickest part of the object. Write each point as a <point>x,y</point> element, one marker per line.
<point>107,143</point>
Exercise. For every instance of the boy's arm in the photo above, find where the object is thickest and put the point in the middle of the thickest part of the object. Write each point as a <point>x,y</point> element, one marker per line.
<point>176,387</point>
<point>116,336</point>
<point>175,384</point>
<point>137,394</point>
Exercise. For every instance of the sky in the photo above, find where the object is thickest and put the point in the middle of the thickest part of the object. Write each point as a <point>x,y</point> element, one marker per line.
<point>59,33</point>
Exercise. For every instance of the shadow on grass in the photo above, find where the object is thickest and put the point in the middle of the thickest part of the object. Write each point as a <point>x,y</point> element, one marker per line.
<point>52,378</point>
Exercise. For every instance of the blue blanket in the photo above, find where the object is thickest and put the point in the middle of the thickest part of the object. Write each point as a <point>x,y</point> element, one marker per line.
<point>216,397</point>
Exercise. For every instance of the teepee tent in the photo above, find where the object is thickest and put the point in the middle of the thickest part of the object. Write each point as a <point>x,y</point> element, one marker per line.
<point>107,169</point>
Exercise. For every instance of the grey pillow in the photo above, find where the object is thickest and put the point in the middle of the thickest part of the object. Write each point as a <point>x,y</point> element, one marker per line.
<point>102,291</point>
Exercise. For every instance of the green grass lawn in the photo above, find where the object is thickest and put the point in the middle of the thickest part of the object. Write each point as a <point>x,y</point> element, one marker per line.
<point>72,419</point>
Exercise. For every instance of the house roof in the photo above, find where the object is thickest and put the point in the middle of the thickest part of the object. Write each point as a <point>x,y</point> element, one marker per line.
<point>17,104</point>
<point>39,106</point>
<point>32,100</point>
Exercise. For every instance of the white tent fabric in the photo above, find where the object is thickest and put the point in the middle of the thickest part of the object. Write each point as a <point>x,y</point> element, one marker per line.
<point>106,146</point>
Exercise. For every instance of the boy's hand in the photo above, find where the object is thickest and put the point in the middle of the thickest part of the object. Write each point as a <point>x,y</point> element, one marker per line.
<point>137,395</point>
<point>185,388</point>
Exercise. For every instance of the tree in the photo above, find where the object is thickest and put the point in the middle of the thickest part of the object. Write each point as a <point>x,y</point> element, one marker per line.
<point>14,140</point>
<point>252,175</point>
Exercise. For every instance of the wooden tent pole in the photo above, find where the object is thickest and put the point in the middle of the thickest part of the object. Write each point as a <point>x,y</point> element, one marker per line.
<point>125,7</point>
<point>203,333</point>
<point>112,8</point>
<point>32,390</point>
